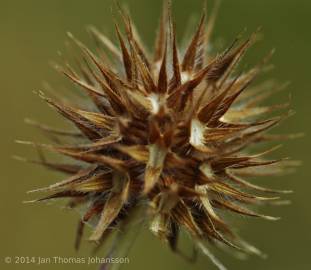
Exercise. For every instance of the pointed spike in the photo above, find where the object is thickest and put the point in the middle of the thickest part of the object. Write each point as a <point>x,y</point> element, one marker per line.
<point>206,113</point>
<point>246,184</point>
<point>84,85</point>
<point>154,166</point>
<point>162,82</point>
<point>125,56</point>
<point>242,210</point>
<point>176,66</point>
<point>112,208</point>
<point>227,102</point>
<point>191,53</point>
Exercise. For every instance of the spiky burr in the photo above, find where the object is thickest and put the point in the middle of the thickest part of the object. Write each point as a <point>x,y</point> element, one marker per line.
<point>170,132</point>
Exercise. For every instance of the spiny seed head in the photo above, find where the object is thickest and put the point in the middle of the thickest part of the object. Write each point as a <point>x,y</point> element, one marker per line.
<point>169,131</point>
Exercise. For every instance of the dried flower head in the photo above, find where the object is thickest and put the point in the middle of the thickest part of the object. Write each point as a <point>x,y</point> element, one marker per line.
<point>168,134</point>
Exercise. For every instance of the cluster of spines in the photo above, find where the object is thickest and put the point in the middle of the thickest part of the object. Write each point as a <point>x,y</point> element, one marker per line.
<point>168,131</point>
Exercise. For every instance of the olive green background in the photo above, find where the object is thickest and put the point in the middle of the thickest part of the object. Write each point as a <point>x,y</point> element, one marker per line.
<point>31,33</point>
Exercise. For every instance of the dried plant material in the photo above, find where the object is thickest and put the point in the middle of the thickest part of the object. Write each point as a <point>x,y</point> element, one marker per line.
<point>168,132</point>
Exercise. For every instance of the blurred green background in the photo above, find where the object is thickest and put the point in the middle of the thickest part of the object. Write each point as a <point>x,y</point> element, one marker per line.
<point>32,31</point>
